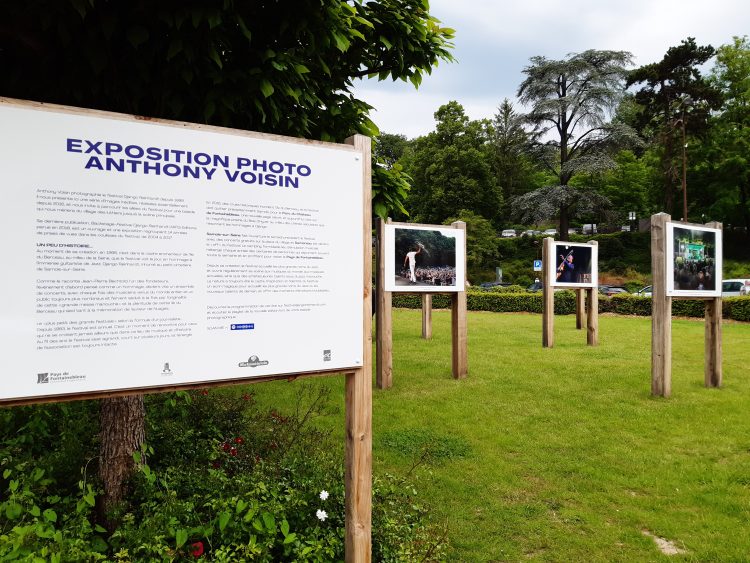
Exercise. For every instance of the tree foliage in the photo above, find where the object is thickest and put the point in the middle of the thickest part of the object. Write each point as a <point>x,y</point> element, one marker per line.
<point>451,168</point>
<point>674,95</point>
<point>481,240</point>
<point>571,103</point>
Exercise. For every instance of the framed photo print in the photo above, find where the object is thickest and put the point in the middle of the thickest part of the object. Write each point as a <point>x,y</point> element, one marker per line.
<point>424,258</point>
<point>694,260</point>
<point>573,264</point>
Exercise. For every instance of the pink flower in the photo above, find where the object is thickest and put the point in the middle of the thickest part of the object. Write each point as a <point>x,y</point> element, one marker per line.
<point>239,440</point>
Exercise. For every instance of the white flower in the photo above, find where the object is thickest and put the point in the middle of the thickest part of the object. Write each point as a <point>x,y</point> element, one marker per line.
<point>322,515</point>
<point>323,494</point>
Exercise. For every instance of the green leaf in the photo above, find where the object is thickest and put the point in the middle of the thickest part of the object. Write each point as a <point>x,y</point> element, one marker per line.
<point>266,88</point>
<point>137,457</point>
<point>137,35</point>
<point>215,58</point>
<point>301,69</point>
<point>13,510</point>
<point>174,48</point>
<point>284,527</point>
<point>6,473</point>
<point>100,529</point>
<point>50,515</point>
<point>180,538</point>
<point>290,538</point>
<point>269,521</point>
<point>241,505</point>
<point>13,486</point>
<point>388,44</point>
<point>35,511</point>
<point>224,520</point>
<point>342,43</point>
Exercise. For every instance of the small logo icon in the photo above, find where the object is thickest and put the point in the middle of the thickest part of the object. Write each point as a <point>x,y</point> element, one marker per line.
<point>253,362</point>
<point>166,370</point>
<point>326,355</point>
<point>42,377</point>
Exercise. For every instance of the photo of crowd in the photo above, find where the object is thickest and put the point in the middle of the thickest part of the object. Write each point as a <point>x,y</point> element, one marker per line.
<point>424,259</point>
<point>574,264</point>
<point>694,259</point>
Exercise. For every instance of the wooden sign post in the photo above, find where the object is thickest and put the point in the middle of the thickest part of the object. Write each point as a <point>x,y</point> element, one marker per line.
<point>661,309</point>
<point>587,298</point>
<point>383,330</point>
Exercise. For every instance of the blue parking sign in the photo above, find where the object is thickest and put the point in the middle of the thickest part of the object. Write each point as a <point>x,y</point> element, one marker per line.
<point>537,265</point>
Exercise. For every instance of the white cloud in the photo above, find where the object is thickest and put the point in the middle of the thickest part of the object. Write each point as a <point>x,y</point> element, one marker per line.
<point>494,41</point>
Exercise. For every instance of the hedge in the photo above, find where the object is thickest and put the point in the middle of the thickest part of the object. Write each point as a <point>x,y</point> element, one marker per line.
<point>735,308</point>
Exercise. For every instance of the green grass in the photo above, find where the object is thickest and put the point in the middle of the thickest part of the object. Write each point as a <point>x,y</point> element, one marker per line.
<point>561,454</point>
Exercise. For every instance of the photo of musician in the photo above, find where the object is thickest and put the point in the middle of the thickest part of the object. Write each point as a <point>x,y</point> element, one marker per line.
<point>694,259</point>
<point>424,258</point>
<point>573,264</point>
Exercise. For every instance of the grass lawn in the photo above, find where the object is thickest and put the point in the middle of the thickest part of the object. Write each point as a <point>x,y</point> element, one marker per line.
<point>561,454</point>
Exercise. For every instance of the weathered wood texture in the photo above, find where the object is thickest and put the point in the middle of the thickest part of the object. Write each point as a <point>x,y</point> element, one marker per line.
<point>358,473</point>
<point>580,308</point>
<point>592,317</point>
<point>383,318</point>
<point>427,316</point>
<point>548,296</point>
<point>713,346</point>
<point>661,312</point>
<point>459,324</point>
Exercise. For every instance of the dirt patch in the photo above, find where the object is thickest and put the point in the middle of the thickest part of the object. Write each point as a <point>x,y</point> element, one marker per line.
<point>665,546</point>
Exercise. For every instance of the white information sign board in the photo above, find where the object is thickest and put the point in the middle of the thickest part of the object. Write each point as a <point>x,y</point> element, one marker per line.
<point>142,254</point>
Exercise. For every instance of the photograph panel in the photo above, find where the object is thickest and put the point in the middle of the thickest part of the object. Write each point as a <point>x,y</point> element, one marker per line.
<point>573,265</point>
<point>694,260</point>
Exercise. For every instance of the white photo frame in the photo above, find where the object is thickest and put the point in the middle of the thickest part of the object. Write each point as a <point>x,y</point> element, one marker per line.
<point>438,263</point>
<point>694,260</point>
<point>573,265</point>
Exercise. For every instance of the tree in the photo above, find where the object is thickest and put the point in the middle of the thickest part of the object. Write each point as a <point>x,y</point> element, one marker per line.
<point>451,168</point>
<point>481,240</point>
<point>250,65</point>
<point>571,101</point>
<point>509,140</point>
<point>726,160</point>
<point>676,102</point>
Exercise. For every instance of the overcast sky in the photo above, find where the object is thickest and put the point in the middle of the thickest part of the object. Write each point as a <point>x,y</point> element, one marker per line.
<point>495,39</point>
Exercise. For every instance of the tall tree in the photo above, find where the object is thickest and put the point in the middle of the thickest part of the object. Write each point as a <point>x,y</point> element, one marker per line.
<point>280,67</point>
<point>676,101</point>
<point>451,168</point>
<point>510,141</point>
<point>723,165</point>
<point>571,104</point>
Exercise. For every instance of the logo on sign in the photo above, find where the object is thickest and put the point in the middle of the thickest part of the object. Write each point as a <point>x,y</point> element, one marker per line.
<point>253,362</point>
<point>166,370</point>
<point>42,377</point>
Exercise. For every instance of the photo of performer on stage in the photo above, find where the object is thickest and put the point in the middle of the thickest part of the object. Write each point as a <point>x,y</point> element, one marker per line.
<point>424,258</point>
<point>574,264</point>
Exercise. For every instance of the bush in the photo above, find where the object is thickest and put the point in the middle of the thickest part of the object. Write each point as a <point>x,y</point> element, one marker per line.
<point>507,300</point>
<point>224,480</point>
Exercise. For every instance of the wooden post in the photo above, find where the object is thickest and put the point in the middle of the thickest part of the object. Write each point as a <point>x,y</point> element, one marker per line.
<point>713,371</point>
<point>548,296</point>
<point>427,316</point>
<point>358,473</point>
<point>661,310</point>
<point>580,307</point>
<point>592,317</point>
<point>383,318</point>
<point>459,327</point>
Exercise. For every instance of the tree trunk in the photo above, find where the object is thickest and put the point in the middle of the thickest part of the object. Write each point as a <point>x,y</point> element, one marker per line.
<point>564,223</point>
<point>122,432</point>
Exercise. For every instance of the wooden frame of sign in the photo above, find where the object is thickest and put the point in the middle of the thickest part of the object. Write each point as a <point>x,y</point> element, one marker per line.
<point>587,298</point>
<point>358,386</point>
<point>384,318</point>
<point>661,312</point>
